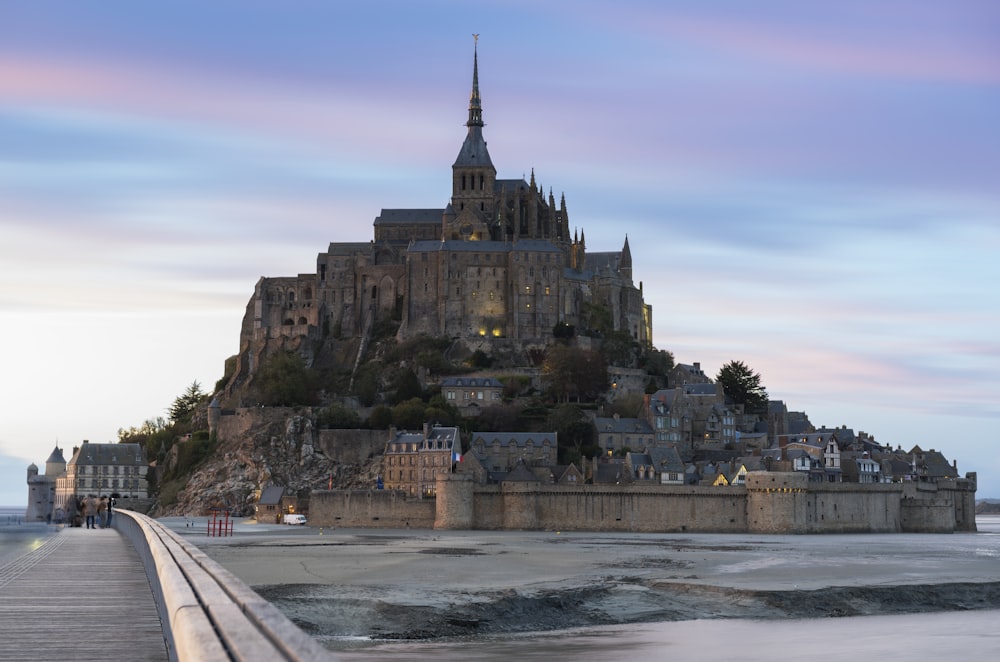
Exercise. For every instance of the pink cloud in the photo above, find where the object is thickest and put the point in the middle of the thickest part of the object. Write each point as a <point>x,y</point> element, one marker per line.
<point>919,53</point>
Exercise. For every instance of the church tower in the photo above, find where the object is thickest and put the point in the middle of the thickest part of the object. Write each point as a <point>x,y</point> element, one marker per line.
<point>473,175</point>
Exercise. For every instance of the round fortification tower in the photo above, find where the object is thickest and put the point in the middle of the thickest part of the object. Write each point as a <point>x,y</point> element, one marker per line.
<point>454,501</point>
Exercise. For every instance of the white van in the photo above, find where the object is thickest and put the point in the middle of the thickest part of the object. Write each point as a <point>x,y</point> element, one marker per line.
<point>294,518</point>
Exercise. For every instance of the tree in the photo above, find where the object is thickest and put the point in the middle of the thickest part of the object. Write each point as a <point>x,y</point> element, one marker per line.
<point>185,403</point>
<point>575,432</point>
<point>407,386</point>
<point>380,418</point>
<point>283,380</point>
<point>658,362</point>
<point>409,415</point>
<point>571,372</point>
<point>743,387</point>
<point>337,417</point>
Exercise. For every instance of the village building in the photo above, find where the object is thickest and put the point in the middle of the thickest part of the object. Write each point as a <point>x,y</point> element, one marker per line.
<point>113,470</point>
<point>498,452</point>
<point>414,460</point>
<point>471,394</point>
<point>616,434</point>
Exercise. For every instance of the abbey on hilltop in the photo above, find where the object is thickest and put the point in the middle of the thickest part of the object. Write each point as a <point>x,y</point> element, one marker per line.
<point>498,266</point>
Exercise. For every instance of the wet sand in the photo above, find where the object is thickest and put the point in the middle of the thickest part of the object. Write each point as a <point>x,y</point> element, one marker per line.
<point>427,584</point>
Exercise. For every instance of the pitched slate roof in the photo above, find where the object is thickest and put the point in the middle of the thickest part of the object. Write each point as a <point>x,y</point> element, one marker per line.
<point>271,495</point>
<point>109,454</point>
<point>622,425</point>
<point>520,439</point>
<point>609,472</point>
<point>521,474</point>
<point>489,382</point>
<point>459,245</point>
<point>409,216</point>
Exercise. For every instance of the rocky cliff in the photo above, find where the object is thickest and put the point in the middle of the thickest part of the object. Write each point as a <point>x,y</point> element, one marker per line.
<point>257,447</point>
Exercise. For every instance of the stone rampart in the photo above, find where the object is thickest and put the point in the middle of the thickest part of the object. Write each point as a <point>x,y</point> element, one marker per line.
<point>370,508</point>
<point>771,502</point>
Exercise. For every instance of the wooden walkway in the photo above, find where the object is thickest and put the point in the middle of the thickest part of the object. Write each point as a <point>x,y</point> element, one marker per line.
<point>83,595</point>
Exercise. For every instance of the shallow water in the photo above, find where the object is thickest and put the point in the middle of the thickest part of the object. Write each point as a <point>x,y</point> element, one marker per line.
<point>888,638</point>
<point>884,638</point>
<point>17,537</point>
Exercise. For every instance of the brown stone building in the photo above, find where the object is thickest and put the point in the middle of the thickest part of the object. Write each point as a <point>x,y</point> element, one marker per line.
<point>414,460</point>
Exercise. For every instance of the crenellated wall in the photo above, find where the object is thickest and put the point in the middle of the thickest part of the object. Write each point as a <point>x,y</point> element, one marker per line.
<point>771,502</point>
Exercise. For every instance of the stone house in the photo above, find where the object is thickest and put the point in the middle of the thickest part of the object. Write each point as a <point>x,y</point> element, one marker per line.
<point>661,465</point>
<point>860,467</point>
<point>498,452</point>
<point>471,394</point>
<point>268,508</point>
<point>414,460</point>
<point>615,434</point>
<point>566,474</point>
<point>814,452</point>
<point>694,417</point>
<point>118,470</point>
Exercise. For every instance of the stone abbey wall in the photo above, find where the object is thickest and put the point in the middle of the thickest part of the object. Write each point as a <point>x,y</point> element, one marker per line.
<point>771,502</point>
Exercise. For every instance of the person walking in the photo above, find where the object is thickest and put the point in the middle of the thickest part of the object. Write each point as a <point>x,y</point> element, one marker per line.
<point>89,511</point>
<point>111,503</point>
<point>102,512</point>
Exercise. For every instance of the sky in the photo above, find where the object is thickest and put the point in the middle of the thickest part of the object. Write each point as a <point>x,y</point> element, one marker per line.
<point>810,188</point>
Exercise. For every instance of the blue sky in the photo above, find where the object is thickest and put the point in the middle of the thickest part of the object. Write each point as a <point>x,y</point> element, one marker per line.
<point>810,188</point>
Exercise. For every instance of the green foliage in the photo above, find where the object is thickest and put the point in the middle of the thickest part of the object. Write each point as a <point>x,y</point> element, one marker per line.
<point>153,435</point>
<point>184,405</point>
<point>380,418</point>
<point>413,347</point>
<point>628,406</point>
<point>284,381</point>
<point>407,386</point>
<point>743,387</point>
<point>657,362</point>
<point>619,348</point>
<point>596,320</point>
<point>438,415</point>
<point>409,415</point>
<point>479,360</point>
<point>366,385</point>
<point>577,437</point>
<point>501,418</point>
<point>514,385</point>
<point>337,417</point>
<point>170,489</point>
<point>570,372</point>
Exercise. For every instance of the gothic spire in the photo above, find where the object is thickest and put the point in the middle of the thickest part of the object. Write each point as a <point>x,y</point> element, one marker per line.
<point>475,103</point>
<point>474,153</point>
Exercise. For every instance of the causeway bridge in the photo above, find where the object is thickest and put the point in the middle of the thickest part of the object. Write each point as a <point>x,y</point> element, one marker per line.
<point>137,592</point>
